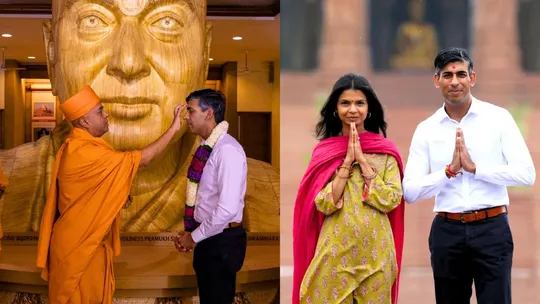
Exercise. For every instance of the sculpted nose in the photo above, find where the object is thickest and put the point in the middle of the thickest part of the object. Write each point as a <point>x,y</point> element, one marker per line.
<point>128,62</point>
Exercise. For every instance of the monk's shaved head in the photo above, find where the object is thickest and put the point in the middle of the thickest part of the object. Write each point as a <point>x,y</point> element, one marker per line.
<point>94,122</point>
<point>77,123</point>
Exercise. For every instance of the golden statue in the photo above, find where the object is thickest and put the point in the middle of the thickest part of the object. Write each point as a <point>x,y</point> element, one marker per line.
<point>417,43</point>
<point>142,57</point>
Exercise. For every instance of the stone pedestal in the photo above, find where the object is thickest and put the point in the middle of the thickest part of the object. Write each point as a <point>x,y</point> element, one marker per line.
<point>262,297</point>
<point>149,270</point>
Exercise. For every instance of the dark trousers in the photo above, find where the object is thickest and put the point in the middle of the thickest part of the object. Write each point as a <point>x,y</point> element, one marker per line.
<point>216,261</point>
<point>479,251</point>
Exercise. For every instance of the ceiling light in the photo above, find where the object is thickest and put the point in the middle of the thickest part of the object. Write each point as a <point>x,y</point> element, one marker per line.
<point>31,57</point>
<point>6,35</point>
<point>211,59</point>
<point>237,38</point>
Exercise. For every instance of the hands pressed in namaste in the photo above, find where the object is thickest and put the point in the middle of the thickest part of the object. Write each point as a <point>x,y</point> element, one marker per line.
<point>461,158</point>
<point>184,241</point>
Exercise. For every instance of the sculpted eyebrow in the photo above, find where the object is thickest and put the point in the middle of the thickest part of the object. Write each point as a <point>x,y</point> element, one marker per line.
<point>149,3</point>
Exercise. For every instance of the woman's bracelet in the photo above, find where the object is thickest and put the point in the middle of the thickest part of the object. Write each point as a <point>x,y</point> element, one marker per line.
<point>348,175</point>
<point>344,177</point>
<point>372,176</point>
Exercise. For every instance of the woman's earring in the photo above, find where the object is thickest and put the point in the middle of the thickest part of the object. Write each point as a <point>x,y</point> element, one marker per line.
<point>335,114</point>
<point>368,114</point>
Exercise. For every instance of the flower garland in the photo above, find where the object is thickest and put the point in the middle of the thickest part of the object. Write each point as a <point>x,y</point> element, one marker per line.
<point>194,174</point>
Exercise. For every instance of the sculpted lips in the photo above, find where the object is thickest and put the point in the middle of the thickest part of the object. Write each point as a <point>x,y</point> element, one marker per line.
<point>129,108</point>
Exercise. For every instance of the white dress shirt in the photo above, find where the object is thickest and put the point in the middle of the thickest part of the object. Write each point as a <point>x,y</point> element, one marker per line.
<point>495,145</point>
<point>220,198</point>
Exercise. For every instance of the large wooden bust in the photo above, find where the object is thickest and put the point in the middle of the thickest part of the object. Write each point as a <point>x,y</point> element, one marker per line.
<point>142,57</point>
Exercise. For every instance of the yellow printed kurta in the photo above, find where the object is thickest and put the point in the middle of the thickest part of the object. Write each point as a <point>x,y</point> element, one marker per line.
<point>355,257</point>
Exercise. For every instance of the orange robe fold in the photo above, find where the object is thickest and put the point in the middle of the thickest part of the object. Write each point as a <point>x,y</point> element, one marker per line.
<point>3,179</point>
<point>3,184</point>
<point>80,229</point>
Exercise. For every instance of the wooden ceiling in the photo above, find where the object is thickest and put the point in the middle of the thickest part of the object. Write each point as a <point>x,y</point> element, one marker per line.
<point>216,8</point>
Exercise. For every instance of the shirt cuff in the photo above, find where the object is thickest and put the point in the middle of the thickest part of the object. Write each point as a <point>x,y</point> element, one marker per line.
<point>197,236</point>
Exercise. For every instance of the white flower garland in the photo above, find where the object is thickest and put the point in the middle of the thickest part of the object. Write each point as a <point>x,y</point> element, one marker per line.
<point>192,188</point>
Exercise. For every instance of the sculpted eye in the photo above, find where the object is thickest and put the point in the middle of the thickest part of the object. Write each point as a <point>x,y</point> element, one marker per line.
<point>91,22</point>
<point>166,24</point>
<point>94,22</point>
<point>166,28</point>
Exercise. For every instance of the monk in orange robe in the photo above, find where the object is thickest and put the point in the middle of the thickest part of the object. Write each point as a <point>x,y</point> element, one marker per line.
<point>90,183</point>
<point>3,184</point>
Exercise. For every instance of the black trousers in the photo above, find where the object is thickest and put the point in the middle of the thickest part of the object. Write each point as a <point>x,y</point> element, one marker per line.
<point>216,261</point>
<point>480,251</point>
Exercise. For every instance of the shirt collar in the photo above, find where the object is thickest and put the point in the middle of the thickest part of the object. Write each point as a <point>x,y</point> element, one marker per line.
<point>474,109</point>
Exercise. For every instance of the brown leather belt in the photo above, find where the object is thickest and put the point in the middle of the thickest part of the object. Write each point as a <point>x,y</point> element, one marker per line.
<point>234,225</point>
<point>473,216</point>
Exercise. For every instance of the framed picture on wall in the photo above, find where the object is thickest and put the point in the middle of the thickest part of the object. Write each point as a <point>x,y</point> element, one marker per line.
<point>40,129</point>
<point>43,110</point>
<point>43,106</point>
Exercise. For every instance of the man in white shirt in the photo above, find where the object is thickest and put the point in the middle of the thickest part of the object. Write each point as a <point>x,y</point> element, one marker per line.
<point>215,200</point>
<point>465,155</point>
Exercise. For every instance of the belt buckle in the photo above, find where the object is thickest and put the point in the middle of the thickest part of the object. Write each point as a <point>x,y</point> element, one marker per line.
<point>462,219</point>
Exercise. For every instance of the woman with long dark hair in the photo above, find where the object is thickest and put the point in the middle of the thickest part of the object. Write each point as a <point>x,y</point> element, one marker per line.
<point>349,211</point>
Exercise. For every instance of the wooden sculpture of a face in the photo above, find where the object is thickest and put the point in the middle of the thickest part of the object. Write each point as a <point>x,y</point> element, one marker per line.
<point>141,57</point>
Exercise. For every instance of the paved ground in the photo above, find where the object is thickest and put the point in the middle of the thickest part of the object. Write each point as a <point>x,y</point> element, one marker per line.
<point>408,100</point>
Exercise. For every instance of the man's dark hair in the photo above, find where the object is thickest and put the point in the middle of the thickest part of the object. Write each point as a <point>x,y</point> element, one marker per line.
<point>209,98</point>
<point>450,55</point>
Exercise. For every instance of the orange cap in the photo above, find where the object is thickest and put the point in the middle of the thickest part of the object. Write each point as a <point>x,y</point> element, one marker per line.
<point>80,104</point>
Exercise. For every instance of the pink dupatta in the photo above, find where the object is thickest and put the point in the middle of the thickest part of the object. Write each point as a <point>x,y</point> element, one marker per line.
<point>327,157</point>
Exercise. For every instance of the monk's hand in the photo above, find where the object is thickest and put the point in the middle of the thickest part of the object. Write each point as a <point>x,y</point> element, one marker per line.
<point>466,162</point>
<point>128,201</point>
<point>177,120</point>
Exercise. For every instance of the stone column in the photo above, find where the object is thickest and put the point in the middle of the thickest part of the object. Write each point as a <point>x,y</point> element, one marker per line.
<point>229,87</point>
<point>14,107</point>
<point>495,50</point>
<point>345,38</point>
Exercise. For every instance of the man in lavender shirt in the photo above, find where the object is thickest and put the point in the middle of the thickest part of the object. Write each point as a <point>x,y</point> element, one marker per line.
<point>215,200</point>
